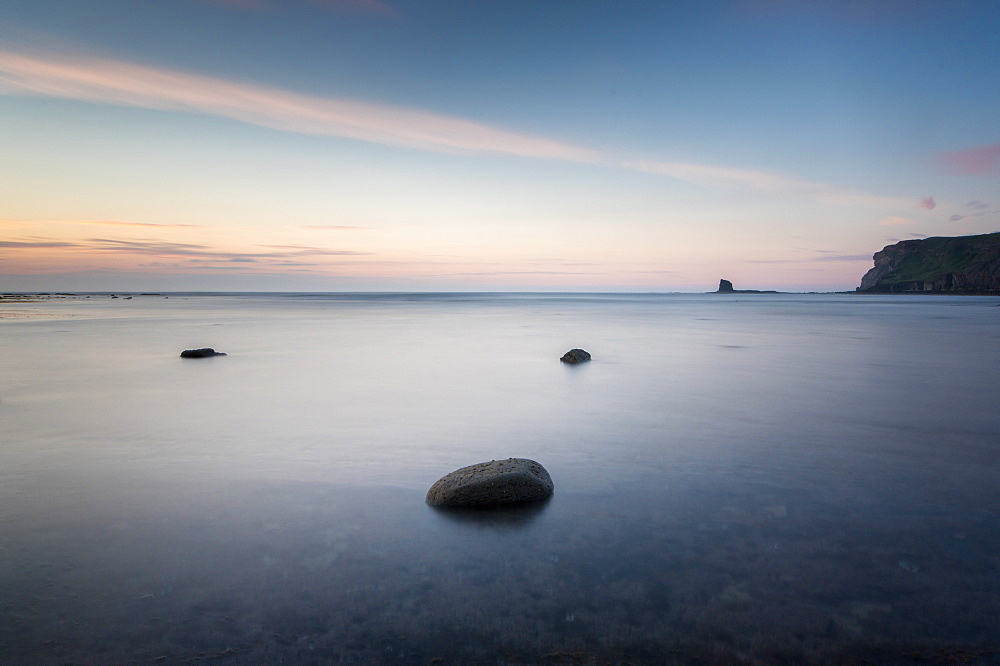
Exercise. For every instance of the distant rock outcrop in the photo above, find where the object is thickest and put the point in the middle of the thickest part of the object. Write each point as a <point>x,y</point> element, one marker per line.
<point>726,287</point>
<point>575,356</point>
<point>957,265</point>
<point>492,483</point>
<point>200,353</point>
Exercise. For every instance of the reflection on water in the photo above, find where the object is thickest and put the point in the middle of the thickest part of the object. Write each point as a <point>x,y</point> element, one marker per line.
<point>799,479</point>
<point>495,517</point>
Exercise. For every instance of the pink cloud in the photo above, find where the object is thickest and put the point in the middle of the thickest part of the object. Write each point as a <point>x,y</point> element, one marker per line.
<point>972,161</point>
<point>927,204</point>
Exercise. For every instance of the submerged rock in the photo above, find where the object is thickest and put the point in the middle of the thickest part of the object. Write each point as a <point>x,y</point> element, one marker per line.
<point>575,356</point>
<point>492,483</point>
<point>200,353</point>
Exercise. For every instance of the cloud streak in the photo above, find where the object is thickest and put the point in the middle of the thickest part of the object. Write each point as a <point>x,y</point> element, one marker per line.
<point>104,223</point>
<point>108,81</point>
<point>956,218</point>
<point>190,252</point>
<point>763,181</point>
<point>301,250</point>
<point>167,249</point>
<point>103,80</point>
<point>24,245</point>
<point>115,223</point>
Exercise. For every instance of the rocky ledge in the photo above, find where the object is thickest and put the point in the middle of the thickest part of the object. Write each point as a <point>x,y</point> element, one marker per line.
<point>492,483</point>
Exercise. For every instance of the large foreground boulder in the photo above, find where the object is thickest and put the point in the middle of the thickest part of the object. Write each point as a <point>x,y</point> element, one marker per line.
<point>492,483</point>
<point>200,353</point>
<point>575,356</point>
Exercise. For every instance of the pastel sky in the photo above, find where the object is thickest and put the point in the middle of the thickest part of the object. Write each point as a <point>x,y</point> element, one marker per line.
<point>499,145</point>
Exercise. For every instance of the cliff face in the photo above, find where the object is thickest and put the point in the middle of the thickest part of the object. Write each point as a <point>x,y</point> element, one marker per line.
<point>964,264</point>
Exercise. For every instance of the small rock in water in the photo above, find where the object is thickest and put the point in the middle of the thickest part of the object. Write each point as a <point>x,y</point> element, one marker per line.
<point>200,353</point>
<point>492,483</point>
<point>575,356</point>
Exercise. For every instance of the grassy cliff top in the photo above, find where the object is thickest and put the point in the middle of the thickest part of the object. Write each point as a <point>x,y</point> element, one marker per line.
<point>931,258</point>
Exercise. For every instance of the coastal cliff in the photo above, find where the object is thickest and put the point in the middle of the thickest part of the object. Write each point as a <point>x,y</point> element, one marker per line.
<point>958,265</point>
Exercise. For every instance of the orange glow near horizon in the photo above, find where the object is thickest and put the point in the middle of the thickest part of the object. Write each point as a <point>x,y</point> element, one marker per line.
<point>111,246</point>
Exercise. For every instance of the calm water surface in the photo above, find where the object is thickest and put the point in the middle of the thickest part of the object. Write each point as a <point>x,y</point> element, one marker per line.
<point>743,478</point>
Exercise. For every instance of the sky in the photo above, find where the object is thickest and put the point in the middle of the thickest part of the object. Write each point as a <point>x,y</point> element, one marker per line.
<point>497,145</point>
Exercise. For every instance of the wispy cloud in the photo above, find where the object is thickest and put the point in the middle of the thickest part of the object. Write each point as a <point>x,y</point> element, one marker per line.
<point>116,223</point>
<point>927,204</point>
<point>972,161</point>
<point>183,254</point>
<point>167,249</point>
<point>109,81</point>
<point>160,248</point>
<point>300,250</point>
<point>981,208</point>
<point>956,217</point>
<point>36,244</point>
<point>102,223</point>
<point>764,181</point>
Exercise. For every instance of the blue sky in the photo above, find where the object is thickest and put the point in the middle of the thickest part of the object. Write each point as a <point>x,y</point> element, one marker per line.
<point>390,145</point>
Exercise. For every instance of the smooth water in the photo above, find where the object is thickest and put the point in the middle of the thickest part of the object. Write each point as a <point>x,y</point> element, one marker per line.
<point>739,478</point>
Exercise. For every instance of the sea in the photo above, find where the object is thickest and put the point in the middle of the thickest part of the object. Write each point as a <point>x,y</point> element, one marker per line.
<point>739,479</point>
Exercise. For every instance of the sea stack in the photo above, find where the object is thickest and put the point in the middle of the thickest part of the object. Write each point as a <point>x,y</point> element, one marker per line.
<point>491,483</point>
<point>725,287</point>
